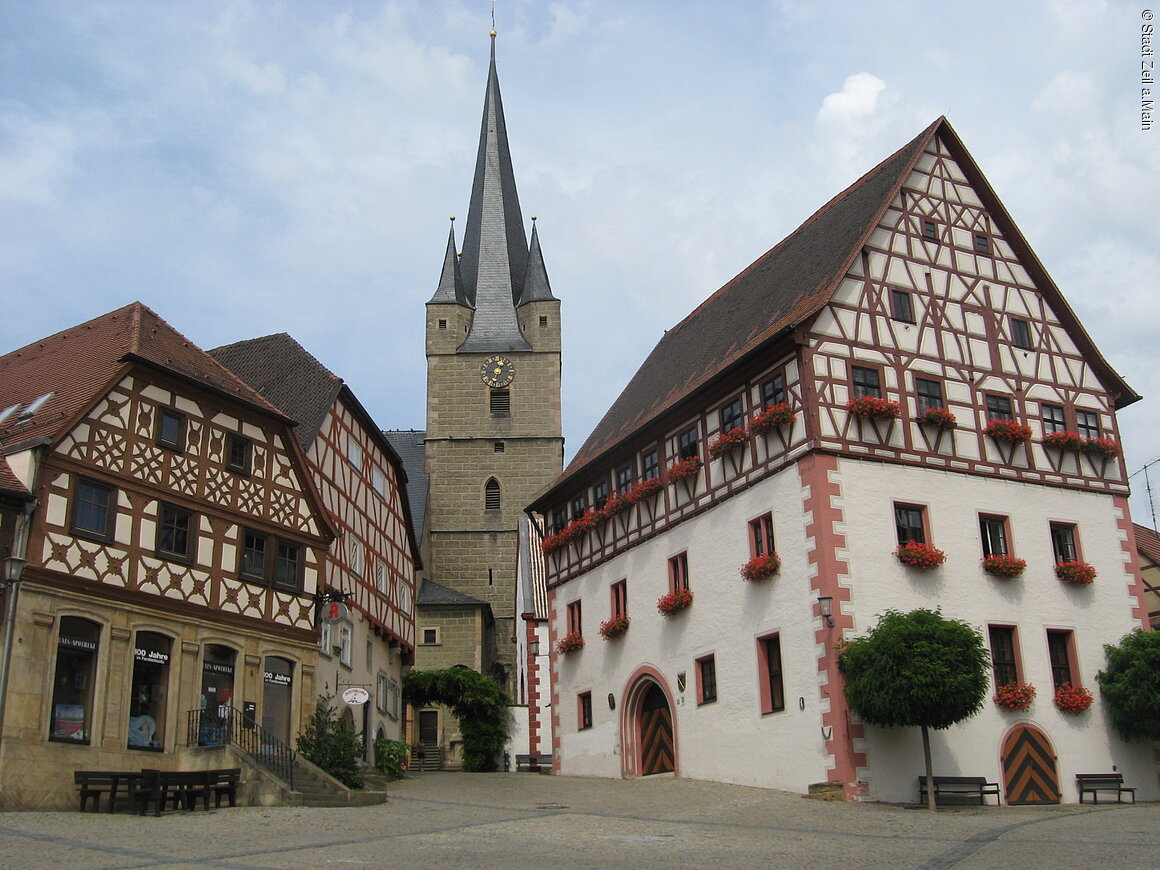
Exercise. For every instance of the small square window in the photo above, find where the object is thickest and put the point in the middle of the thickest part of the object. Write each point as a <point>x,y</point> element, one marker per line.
<point>865,382</point>
<point>442,323</point>
<point>909,523</point>
<point>929,229</point>
<point>93,510</point>
<point>982,243</point>
<point>999,408</point>
<point>543,320</point>
<point>651,465</point>
<point>585,710</point>
<point>171,429</point>
<point>239,454</point>
<point>1087,424</point>
<point>1053,419</point>
<point>901,307</point>
<point>1020,333</point>
<point>687,444</point>
<point>430,636</point>
<point>773,390</point>
<point>706,680</point>
<point>176,531</point>
<point>498,447</point>
<point>993,532</point>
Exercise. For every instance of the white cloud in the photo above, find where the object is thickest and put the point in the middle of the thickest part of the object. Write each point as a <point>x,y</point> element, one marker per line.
<point>857,101</point>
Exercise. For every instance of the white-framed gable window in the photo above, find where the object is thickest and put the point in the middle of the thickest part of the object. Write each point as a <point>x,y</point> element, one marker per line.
<point>354,453</point>
<point>379,482</point>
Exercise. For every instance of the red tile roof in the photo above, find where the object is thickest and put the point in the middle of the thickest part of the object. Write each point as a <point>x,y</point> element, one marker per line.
<point>1147,542</point>
<point>79,364</point>
<point>11,487</point>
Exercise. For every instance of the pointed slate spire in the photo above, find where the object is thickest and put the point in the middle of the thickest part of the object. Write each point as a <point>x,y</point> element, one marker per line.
<point>536,286</point>
<point>450,287</point>
<point>495,252</point>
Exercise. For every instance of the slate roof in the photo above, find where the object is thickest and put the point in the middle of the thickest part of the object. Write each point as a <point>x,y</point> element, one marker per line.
<point>408,443</point>
<point>431,594</point>
<point>790,284</point>
<point>79,364</point>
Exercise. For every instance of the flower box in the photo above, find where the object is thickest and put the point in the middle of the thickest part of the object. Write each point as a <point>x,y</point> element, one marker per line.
<point>728,441</point>
<point>684,469</point>
<point>617,503</point>
<point>1015,696</point>
<point>614,627</point>
<point>873,408</point>
<point>674,602</point>
<point>918,555</point>
<point>1105,448</point>
<point>584,524</point>
<point>1072,699</point>
<point>552,543</point>
<point>760,567</point>
<point>1063,440</point>
<point>940,418</point>
<point>1080,573</point>
<point>1003,566</point>
<point>771,418</point>
<point>642,489</point>
<point>570,643</point>
<point>1008,431</point>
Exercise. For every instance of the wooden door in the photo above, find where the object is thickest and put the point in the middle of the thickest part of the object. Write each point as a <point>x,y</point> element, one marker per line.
<point>1029,772</point>
<point>428,727</point>
<point>656,733</point>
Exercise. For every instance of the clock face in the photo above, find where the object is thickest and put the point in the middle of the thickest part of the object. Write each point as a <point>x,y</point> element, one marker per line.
<point>497,371</point>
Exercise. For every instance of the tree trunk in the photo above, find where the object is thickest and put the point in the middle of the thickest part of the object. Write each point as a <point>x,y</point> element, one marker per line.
<point>929,772</point>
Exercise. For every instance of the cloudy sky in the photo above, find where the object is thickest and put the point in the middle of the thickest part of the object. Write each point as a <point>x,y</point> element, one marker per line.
<point>251,166</point>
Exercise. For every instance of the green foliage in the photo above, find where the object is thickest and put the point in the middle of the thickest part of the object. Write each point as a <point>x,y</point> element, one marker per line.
<point>916,669</point>
<point>331,742</point>
<point>1130,685</point>
<point>479,704</point>
<point>392,757</point>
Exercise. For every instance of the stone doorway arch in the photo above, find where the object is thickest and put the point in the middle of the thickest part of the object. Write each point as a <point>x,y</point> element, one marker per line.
<point>651,744</point>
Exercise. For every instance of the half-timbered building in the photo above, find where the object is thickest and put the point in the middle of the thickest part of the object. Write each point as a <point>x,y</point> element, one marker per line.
<point>371,564</point>
<point>899,379</point>
<point>172,559</point>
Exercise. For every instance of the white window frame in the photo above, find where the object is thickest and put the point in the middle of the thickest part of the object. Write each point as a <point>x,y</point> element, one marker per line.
<point>346,643</point>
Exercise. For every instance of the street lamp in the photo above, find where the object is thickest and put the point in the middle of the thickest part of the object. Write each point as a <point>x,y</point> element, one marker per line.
<point>13,568</point>
<point>826,607</point>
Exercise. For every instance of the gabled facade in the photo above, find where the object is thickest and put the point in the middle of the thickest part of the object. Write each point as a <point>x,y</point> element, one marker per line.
<point>371,565</point>
<point>493,438</point>
<point>893,371</point>
<point>172,559</point>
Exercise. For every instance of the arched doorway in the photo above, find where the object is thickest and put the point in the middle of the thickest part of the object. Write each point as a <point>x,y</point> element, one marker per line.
<point>654,722</point>
<point>1029,772</point>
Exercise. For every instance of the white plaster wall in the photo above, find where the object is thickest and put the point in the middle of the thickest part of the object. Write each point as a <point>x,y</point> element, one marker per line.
<point>729,740</point>
<point>1036,601</point>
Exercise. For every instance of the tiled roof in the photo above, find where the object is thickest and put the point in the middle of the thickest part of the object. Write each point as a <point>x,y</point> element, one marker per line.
<point>11,487</point>
<point>1147,542</point>
<point>78,364</point>
<point>408,443</point>
<point>433,595</point>
<point>790,284</point>
<point>284,372</point>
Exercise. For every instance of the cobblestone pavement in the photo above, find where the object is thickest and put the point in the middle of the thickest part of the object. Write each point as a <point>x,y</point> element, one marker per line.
<point>506,821</point>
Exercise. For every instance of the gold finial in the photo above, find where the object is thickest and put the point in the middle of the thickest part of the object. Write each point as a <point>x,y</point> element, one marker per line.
<point>453,218</point>
<point>493,34</point>
<point>533,218</point>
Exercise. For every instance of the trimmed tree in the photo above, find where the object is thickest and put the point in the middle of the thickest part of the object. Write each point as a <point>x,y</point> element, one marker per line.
<point>331,742</point>
<point>1130,685</point>
<point>916,669</point>
<point>479,704</point>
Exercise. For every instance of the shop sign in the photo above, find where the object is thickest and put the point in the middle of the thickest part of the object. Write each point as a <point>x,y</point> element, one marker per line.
<point>152,656</point>
<point>278,679</point>
<point>334,612</point>
<point>355,696</point>
<point>215,668</point>
<point>78,643</point>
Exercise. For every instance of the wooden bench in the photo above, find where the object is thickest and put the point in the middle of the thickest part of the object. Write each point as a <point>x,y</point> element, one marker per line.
<point>533,762</point>
<point>959,787</point>
<point>93,784</point>
<point>1094,783</point>
<point>224,783</point>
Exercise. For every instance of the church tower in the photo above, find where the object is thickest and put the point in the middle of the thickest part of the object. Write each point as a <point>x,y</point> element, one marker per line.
<point>494,439</point>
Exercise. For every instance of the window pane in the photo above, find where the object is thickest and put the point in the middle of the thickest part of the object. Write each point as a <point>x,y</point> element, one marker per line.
<point>169,429</point>
<point>999,408</point>
<point>1020,333</point>
<point>707,668</point>
<point>1063,542</point>
<point>865,382</point>
<point>624,478</point>
<point>173,531</point>
<point>651,465</point>
<point>731,416</point>
<point>773,390</point>
<point>1003,654</point>
<point>254,555</point>
<point>1053,419</point>
<point>1057,648</point>
<point>72,695</point>
<point>687,444</point>
<point>929,394</point>
<point>994,534</point>
<point>772,649</point>
<point>900,305</point>
<point>286,565</point>
<point>91,512</point>
<point>1087,424</point>
<point>149,689</point>
<point>908,522</point>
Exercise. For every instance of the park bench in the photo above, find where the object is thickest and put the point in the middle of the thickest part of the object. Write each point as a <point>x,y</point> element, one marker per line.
<point>186,788</point>
<point>1094,783</point>
<point>959,787</point>
<point>533,762</point>
<point>224,783</point>
<point>93,784</point>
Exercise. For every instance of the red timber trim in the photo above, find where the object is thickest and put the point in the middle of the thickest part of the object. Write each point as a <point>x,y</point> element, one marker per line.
<point>1131,560</point>
<point>554,680</point>
<point>631,699</point>
<point>815,472</point>
<point>535,709</point>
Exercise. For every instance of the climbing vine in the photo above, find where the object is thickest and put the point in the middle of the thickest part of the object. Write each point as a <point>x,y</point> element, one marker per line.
<point>477,702</point>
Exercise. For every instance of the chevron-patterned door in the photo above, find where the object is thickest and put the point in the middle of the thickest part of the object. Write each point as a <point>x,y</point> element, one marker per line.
<point>1029,772</point>
<point>656,733</point>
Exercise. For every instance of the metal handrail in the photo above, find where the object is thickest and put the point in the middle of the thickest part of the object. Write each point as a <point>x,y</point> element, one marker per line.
<point>219,726</point>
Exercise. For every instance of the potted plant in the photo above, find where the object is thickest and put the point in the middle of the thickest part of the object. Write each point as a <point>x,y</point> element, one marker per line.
<point>771,417</point>
<point>1008,431</point>
<point>570,643</point>
<point>1072,699</point>
<point>617,503</point>
<point>1103,448</point>
<point>940,418</point>
<point>1003,566</point>
<point>674,602</point>
<point>873,408</point>
<point>728,441</point>
<point>684,469</point>
<point>1077,572</point>
<point>919,555</point>
<point>760,567</point>
<point>642,489</point>
<point>614,627</point>
<point>1063,440</point>
<point>1015,696</point>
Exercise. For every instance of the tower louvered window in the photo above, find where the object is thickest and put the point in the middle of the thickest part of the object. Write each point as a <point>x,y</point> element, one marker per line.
<point>491,495</point>
<point>501,403</point>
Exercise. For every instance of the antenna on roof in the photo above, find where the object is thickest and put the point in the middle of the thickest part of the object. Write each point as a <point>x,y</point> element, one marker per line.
<point>36,405</point>
<point>7,413</point>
